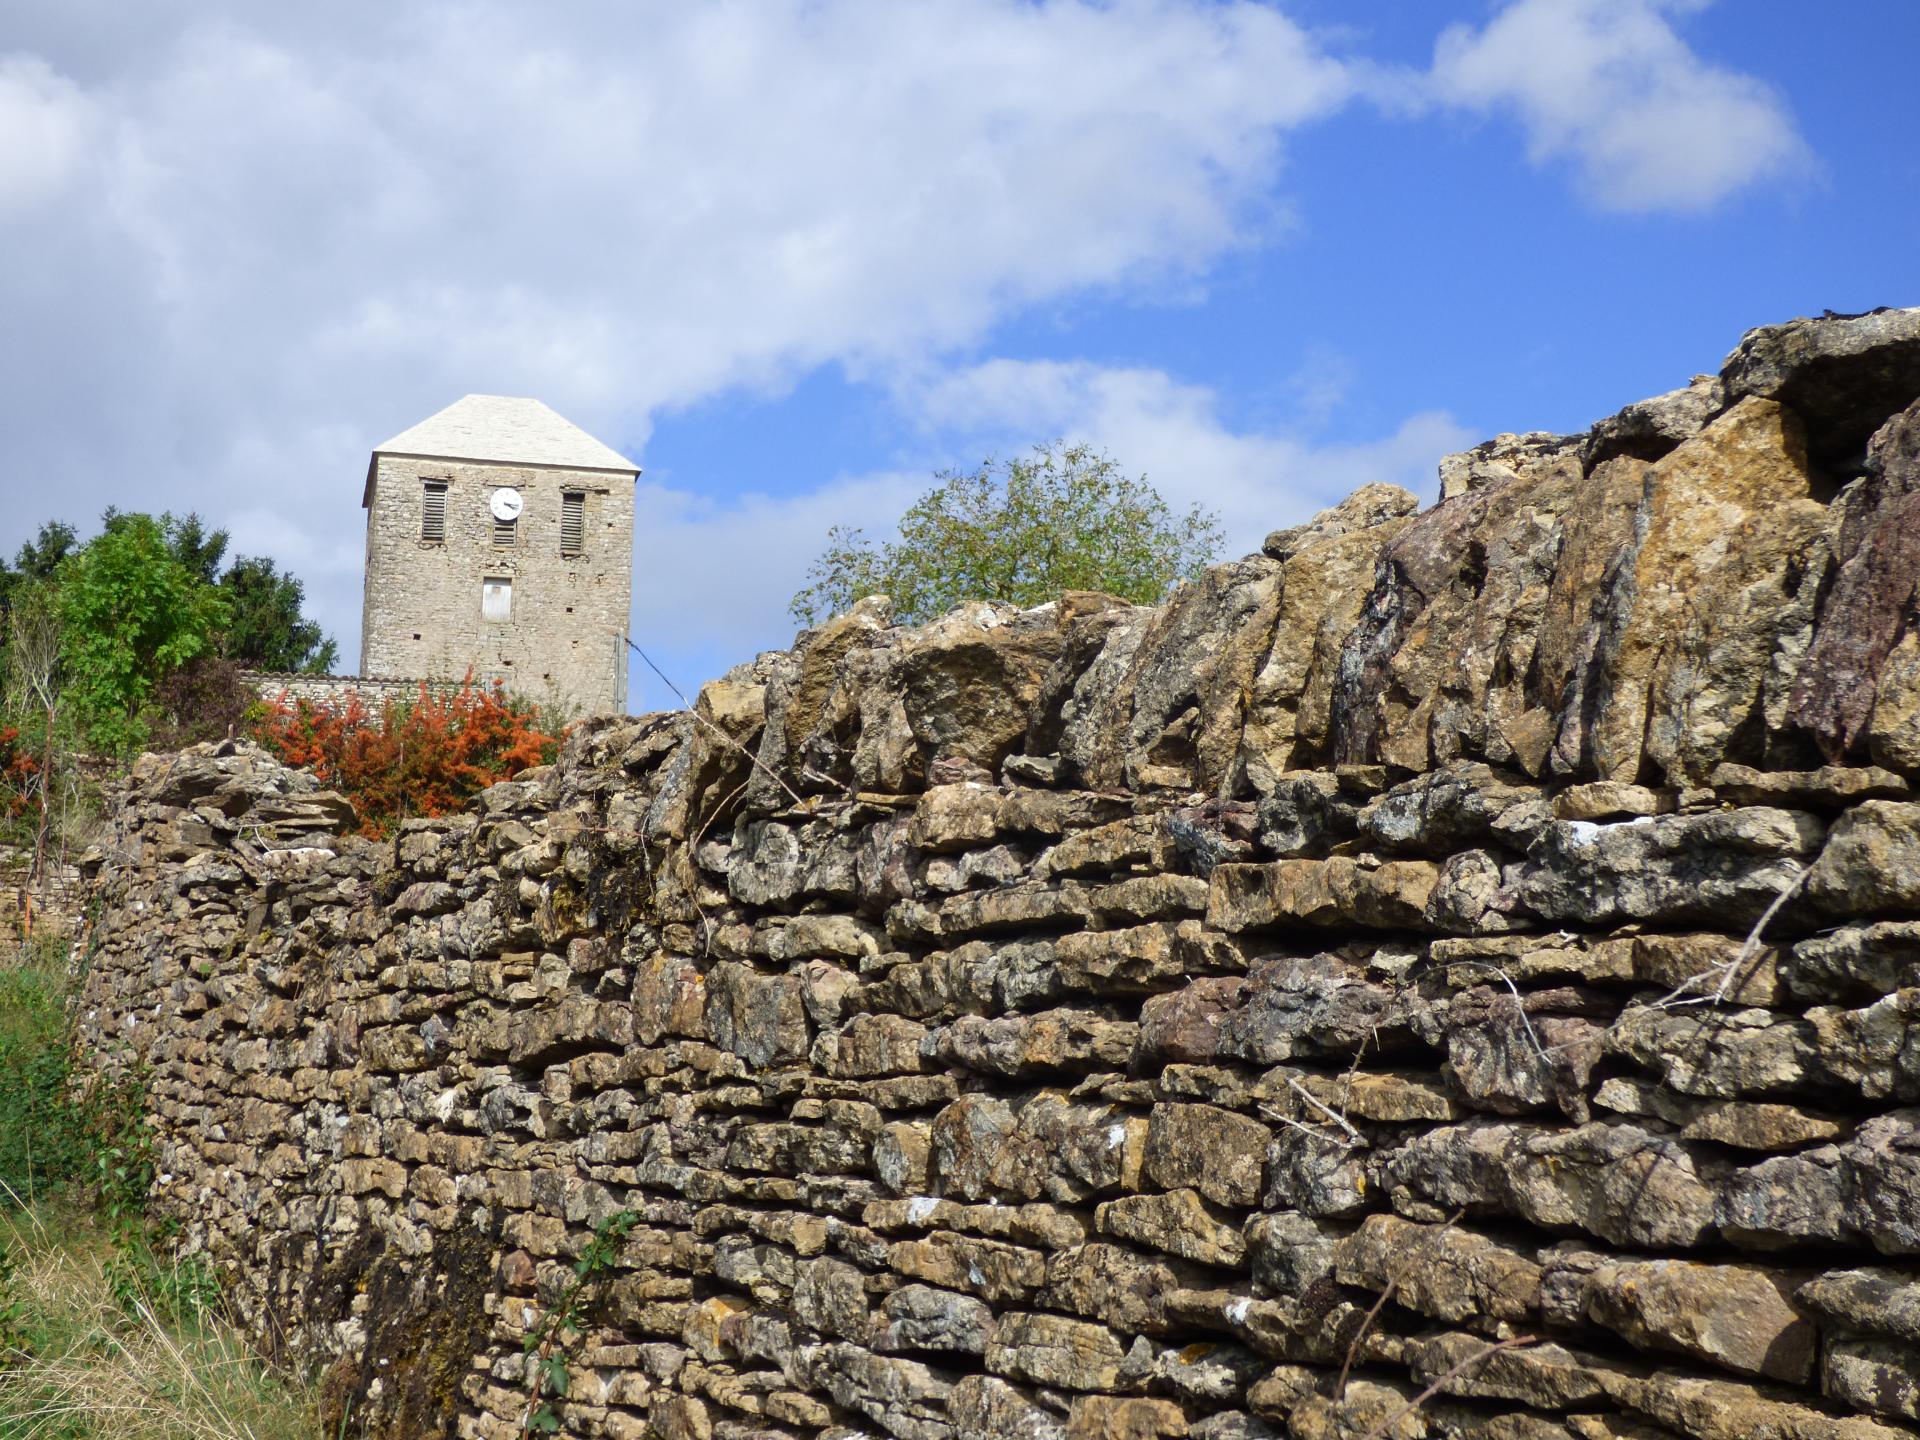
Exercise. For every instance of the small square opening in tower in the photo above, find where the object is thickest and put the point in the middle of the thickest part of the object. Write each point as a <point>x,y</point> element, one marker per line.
<point>496,598</point>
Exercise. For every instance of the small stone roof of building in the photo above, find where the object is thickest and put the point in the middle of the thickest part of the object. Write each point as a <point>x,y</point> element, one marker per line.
<point>506,428</point>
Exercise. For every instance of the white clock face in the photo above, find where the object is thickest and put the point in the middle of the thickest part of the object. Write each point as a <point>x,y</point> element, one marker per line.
<point>506,503</point>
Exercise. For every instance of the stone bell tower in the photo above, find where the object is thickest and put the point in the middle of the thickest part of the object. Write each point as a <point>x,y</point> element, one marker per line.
<point>500,541</point>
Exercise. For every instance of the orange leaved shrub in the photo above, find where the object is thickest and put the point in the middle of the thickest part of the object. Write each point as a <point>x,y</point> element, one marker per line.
<point>427,756</point>
<point>18,794</point>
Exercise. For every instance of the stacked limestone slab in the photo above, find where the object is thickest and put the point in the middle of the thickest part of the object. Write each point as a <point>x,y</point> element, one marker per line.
<point>1321,1006</point>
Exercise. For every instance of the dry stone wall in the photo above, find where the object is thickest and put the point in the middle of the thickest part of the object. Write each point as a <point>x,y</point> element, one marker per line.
<point>288,687</point>
<point>1453,974</point>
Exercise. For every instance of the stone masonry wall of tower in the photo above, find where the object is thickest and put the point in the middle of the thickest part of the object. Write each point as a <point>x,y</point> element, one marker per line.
<point>423,612</point>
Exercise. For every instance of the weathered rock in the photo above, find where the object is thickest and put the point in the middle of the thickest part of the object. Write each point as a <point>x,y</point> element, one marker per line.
<point>1737,1316</point>
<point>1500,461</point>
<point>1784,1201</point>
<point>984,1148</point>
<point>1871,863</point>
<point>1177,1222</point>
<point>1748,1125</point>
<point>1511,1054</point>
<point>967,681</point>
<point>1367,507</point>
<point>1649,429</point>
<point>1323,582</point>
<point>996,1272</point>
<point>1725,1410</point>
<point>1872,1299</point>
<point>1163,708</point>
<point>1435,669</point>
<point>1549,1376</point>
<point>1104,1417</point>
<point>1877,1376</point>
<point>1696,610</point>
<point>1121,1287</point>
<point>1322,1004</point>
<point>985,1408</point>
<point>1440,1271</point>
<point>1880,1170</point>
<point>1053,1350</point>
<point>1847,373</point>
<point>1619,1182</point>
<point>1854,962</point>
<point>1218,1153</point>
<point>1676,869</point>
<point>1337,893</point>
<point>920,1317</point>
<point>1304,814</point>
<point>1720,1055</point>
<point>1829,787</point>
<point>761,1018</point>
<point>1288,1252</point>
<point>1034,1044</point>
<point>1602,800</point>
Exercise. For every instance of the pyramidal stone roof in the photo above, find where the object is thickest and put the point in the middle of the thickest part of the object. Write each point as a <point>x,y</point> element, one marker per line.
<point>505,428</point>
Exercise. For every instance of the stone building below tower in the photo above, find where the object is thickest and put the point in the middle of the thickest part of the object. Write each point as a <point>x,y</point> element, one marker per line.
<point>500,541</point>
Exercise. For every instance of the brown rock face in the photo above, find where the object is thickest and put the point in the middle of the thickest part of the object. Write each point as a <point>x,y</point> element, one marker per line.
<point>1705,598</point>
<point>1847,372</point>
<point>1737,1316</point>
<point>1876,546</point>
<point>1452,976</point>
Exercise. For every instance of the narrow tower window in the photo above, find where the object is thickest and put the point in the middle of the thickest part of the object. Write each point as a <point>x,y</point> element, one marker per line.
<point>496,598</point>
<point>573,522</point>
<point>433,511</point>
<point>504,531</point>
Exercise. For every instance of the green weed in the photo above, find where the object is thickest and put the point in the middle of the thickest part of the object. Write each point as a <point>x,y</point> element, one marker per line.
<point>547,1342</point>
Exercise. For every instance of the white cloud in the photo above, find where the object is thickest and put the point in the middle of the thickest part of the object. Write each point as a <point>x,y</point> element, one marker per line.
<point>1257,480</point>
<point>45,121</point>
<point>245,243</point>
<point>1610,86</point>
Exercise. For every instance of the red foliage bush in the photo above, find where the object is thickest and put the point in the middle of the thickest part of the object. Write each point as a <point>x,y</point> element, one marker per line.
<point>422,757</point>
<point>17,768</point>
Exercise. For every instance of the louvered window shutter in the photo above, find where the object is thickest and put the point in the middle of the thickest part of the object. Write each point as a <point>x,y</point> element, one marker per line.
<point>573,523</point>
<point>433,511</point>
<point>504,531</point>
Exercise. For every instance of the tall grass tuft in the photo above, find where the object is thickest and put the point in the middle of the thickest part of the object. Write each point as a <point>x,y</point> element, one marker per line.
<point>104,1332</point>
<point>43,1133</point>
<point>82,1357</point>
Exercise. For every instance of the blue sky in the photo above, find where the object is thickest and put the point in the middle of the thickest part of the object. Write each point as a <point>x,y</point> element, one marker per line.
<point>796,255</point>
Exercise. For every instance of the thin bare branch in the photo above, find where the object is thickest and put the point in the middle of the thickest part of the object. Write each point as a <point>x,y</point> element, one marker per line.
<point>1385,1427</point>
<point>726,739</point>
<point>1333,1115</point>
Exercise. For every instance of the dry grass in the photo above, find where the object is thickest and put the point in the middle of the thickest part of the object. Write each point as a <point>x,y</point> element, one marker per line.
<point>78,1362</point>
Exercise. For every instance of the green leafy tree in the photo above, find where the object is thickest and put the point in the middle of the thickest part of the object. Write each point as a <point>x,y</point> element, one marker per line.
<point>266,629</point>
<point>187,536</point>
<point>1065,517</point>
<point>36,560</point>
<point>131,610</point>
